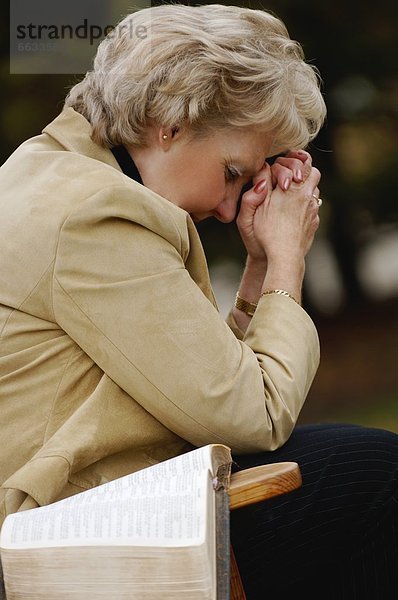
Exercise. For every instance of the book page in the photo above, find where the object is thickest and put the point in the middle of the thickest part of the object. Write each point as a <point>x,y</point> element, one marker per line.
<point>163,505</point>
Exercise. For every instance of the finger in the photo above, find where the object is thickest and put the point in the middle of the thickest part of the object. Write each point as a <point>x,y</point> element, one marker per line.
<point>263,173</point>
<point>305,190</point>
<point>285,171</point>
<point>302,155</point>
<point>299,171</point>
<point>306,159</point>
<point>311,183</point>
<point>316,195</point>
<point>294,164</point>
<point>255,196</point>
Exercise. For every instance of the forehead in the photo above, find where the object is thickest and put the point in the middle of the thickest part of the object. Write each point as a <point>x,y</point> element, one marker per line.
<point>246,147</point>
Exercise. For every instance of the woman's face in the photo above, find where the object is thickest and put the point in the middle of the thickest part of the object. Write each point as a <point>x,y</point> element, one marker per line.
<point>203,176</point>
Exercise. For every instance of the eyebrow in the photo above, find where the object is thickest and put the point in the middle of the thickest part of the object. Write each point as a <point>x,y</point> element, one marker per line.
<point>244,168</point>
<point>238,164</point>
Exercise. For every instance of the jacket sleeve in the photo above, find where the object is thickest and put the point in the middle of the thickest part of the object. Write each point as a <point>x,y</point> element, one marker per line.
<point>122,292</point>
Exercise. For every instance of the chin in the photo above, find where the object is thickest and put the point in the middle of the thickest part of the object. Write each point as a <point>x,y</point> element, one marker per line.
<point>197,217</point>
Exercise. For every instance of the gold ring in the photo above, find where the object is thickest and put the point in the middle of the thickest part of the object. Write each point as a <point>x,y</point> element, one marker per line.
<point>318,200</point>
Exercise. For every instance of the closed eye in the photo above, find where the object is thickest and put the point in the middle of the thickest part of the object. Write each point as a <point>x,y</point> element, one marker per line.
<point>231,174</point>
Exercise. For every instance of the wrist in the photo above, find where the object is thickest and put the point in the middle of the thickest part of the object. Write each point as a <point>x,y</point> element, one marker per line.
<point>286,268</point>
<point>252,278</point>
<point>287,276</point>
<point>256,265</point>
<point>280,292</point>
<point>249,308</point>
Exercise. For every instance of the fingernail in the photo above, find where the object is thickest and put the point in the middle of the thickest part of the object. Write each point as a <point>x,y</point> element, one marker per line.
<point>299,175</point>
<point>260,186</point>
<point>286,184</point>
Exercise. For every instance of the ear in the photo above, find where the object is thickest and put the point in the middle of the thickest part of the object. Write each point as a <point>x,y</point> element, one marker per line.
<point>167,135</point>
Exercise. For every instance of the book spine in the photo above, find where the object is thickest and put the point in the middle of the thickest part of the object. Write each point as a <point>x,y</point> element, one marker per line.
<point>222,544</point>
<point>2,590</point>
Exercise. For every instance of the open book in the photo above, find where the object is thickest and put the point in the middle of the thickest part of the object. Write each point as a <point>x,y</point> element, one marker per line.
<point>149,535</point>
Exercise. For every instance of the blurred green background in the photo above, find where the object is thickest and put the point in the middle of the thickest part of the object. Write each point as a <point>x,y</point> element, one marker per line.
<point>351,283</point>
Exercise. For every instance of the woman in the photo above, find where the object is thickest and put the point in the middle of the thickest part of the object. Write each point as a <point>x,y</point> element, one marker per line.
<point>114,354</point>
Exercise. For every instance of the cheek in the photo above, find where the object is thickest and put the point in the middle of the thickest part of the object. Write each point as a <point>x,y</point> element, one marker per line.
<point>206,191</point>
<point>214,184</point>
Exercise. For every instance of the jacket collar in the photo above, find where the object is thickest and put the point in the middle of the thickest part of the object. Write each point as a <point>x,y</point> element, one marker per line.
<point>73,132</point>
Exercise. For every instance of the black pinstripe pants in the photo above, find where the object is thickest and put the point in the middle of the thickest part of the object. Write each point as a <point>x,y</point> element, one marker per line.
<point>334,538</point>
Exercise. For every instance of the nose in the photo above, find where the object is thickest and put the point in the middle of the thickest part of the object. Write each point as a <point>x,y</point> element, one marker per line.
<point>226,210</point>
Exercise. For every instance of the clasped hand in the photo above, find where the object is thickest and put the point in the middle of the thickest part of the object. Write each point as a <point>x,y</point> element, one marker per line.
<point>278,216</point>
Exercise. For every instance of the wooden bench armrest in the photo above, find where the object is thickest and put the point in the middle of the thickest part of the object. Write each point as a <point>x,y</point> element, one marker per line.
<point>263,482</point>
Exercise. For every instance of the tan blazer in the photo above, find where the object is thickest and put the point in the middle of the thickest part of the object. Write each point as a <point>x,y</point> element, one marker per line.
<point>113,354</point>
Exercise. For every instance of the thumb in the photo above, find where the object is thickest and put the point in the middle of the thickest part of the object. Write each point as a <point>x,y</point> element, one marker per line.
<point>255,196</point>
<point>262,187</point>
<point>251,200</point>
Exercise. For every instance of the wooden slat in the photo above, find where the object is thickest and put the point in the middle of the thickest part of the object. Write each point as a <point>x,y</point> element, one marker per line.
<point>237,591</point>
<point>263,482</point>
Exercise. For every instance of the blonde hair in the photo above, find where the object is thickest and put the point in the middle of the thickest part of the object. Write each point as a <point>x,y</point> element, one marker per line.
<point>207,67</point>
